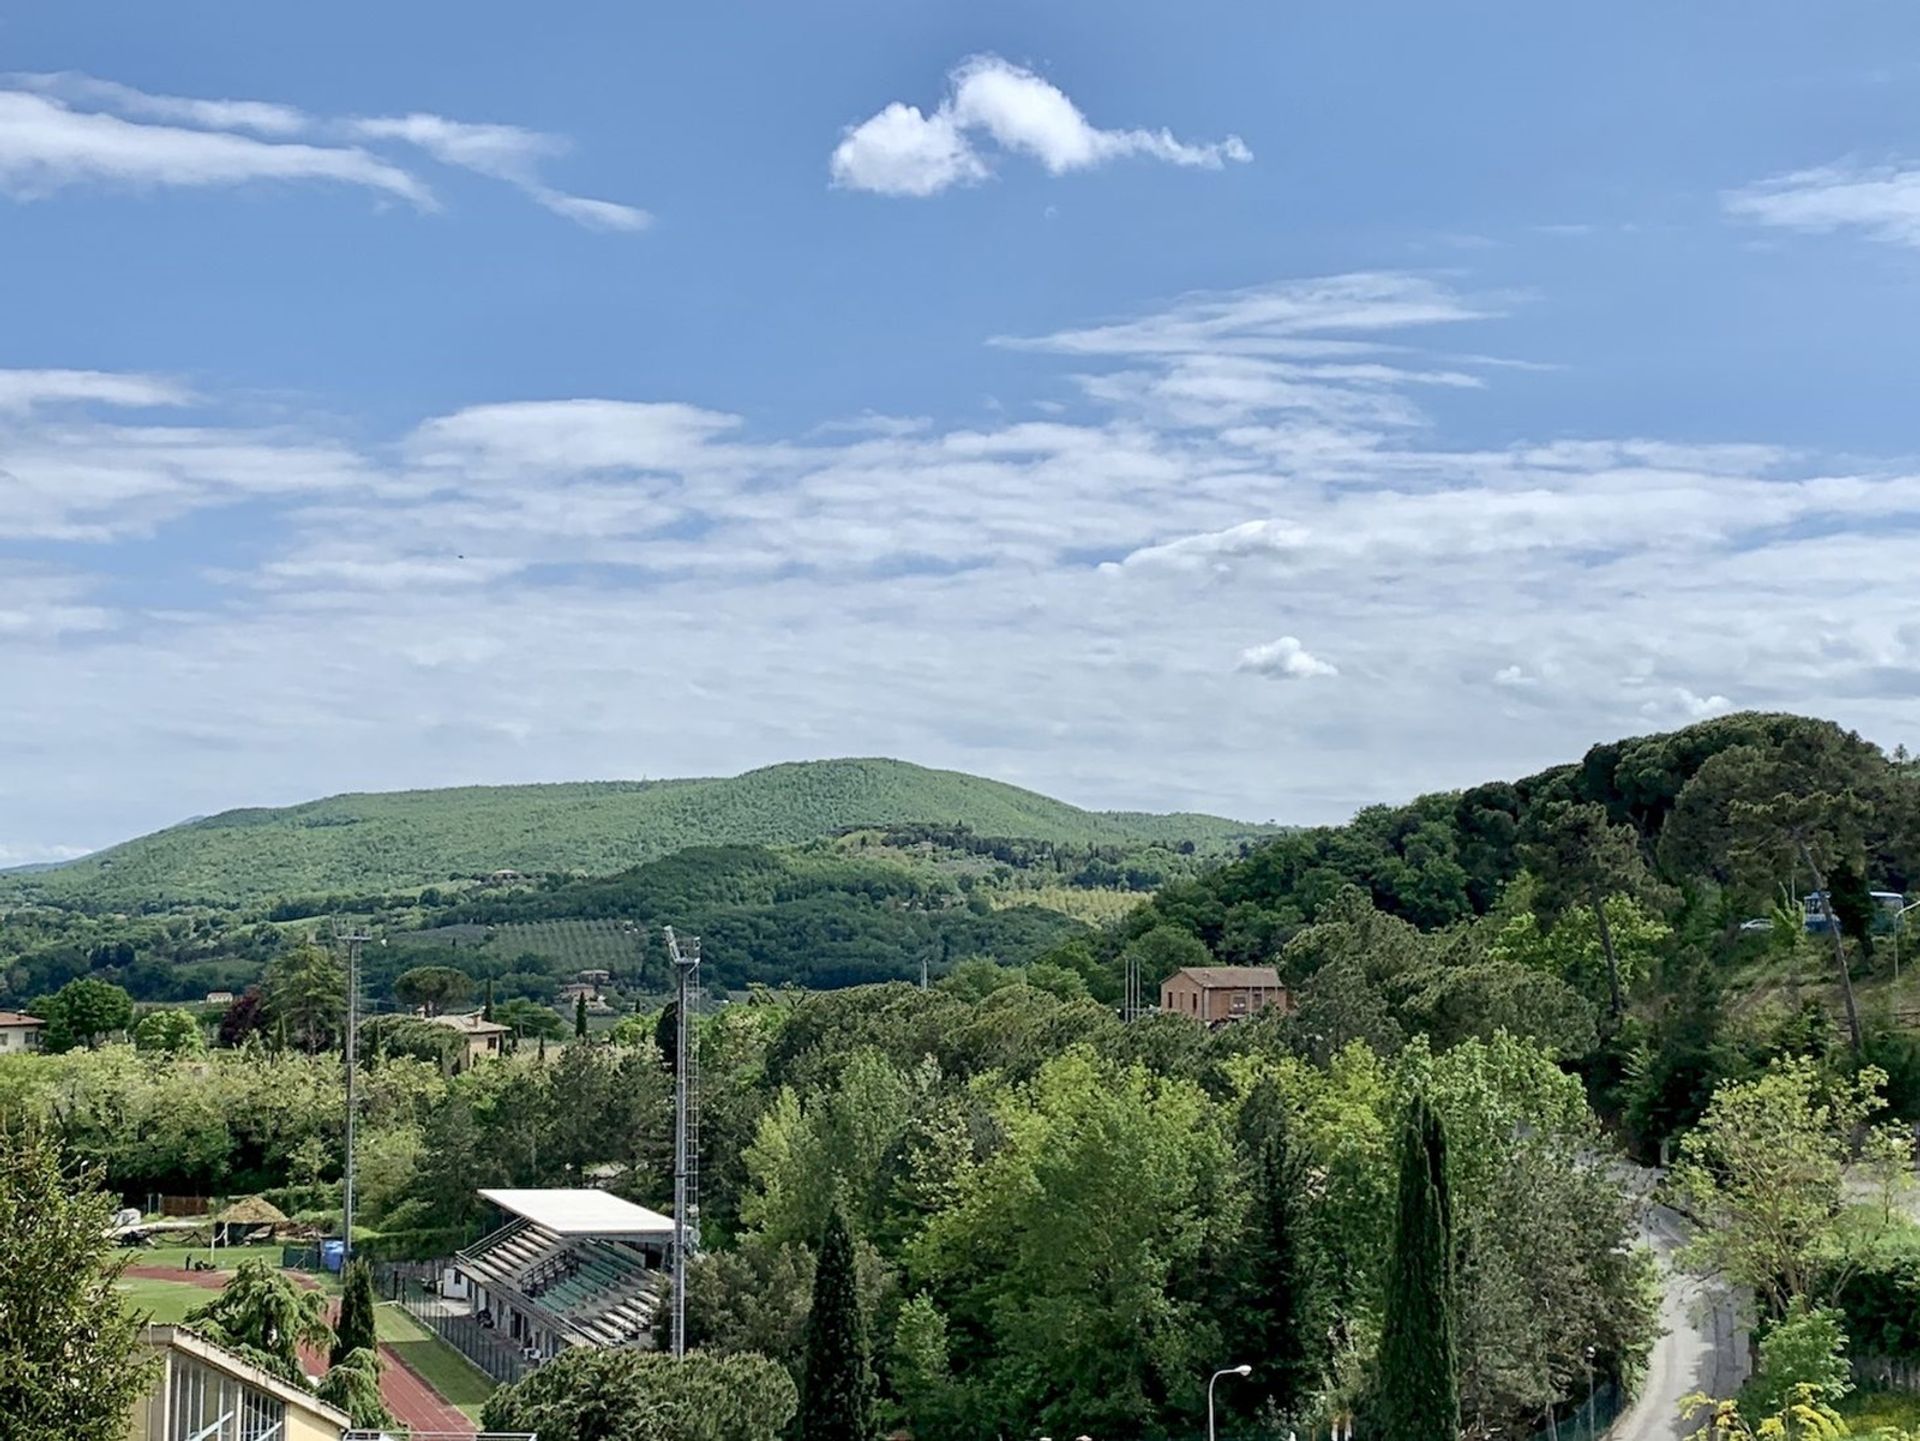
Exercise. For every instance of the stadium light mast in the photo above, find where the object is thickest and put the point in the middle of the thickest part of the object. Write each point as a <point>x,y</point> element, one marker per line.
<point>685,956</point>
<point>351,939</point>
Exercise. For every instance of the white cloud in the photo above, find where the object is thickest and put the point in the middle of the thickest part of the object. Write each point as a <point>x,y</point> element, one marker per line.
<point>45,146</point>
<point>261,116</point>
<point>1284,659</point>
<point>552,589</point>
<point>504,152</point>
<point>67,128</point>
<point>28,853</point>
<point>22,390</point>
<point>902,151</point>
<point>594,214</point>
<point>1685,705</point>
<point>1882,201</point>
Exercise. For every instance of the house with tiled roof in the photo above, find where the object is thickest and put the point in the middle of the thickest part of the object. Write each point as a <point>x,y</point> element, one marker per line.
<point>1217,995</point>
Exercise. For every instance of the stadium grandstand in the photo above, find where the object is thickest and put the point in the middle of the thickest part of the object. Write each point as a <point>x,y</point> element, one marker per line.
<point>567,1268</point>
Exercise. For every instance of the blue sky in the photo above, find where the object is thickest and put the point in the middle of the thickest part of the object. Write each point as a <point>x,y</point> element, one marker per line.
<point>1260,408</point>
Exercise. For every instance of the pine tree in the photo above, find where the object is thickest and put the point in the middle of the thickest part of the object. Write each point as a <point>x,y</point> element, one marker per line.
<point>1417,1388</point>
<point>580,1018</point>
<point>71,1361</point>
<point>837,1395</point>
<point>354,1330</point>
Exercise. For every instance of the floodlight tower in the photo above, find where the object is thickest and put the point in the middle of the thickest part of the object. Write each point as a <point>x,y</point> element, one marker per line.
<point>685,956</point>
<point>350,939</point>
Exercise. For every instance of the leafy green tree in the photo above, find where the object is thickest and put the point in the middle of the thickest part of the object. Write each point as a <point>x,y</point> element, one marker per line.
<point>530,1019</point>
<point>433,989</point>
<point>630,1395</point>
<point>1578,857</point>
<point>1164,950</point>
<point>1764,1174</point>
<point>921,1369</point>
<point>264,1316</point>
<point>353,1330</point>
<point>1063,1249</point>
<point>84,1011</point>
<point>72,1364</point>
<point>1801,1351</point>
<point>1417,1392</point>
<point>170,1032</point>
<point>352,1383</point>
<point>837,1394</point>
<point>306,990</point>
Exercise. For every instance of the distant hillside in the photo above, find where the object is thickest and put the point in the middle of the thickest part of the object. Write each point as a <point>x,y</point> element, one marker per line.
<point>362,844</point>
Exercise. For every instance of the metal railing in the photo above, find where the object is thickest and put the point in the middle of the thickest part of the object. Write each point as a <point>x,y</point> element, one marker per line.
<point>499,1356</point>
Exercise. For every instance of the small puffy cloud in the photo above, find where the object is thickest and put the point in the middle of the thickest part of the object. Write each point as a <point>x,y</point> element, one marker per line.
<point>1513,677</point>
<point>903,151</point>
<point>1284,659</point>
<point>1682,702</point>
<point>1883,201</point>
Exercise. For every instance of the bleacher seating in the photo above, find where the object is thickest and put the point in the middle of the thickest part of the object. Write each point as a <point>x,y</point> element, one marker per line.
<point>604,1292</point>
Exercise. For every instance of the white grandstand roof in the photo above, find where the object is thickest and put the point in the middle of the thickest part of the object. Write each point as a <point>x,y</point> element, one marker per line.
<point>582,1213</point>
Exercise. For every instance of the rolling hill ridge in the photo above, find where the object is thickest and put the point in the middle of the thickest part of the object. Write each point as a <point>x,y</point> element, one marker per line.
<point>387,841</point>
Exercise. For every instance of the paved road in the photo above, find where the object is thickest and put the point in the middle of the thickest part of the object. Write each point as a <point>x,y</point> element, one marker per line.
<point>1703,1348</point>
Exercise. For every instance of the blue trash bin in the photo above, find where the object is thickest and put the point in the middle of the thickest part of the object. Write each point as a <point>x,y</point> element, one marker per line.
<point>333,1255</point>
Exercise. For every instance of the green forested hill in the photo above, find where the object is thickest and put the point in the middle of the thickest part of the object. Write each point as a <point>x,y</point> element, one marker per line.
<point>361,844</point>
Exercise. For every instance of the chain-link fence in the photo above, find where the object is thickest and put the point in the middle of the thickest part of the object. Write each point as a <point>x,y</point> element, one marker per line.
<point>414,1286</point>
<point>1588,1421</point>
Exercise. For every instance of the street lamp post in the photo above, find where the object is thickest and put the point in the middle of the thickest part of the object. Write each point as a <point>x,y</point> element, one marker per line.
<point>1228,1371</point>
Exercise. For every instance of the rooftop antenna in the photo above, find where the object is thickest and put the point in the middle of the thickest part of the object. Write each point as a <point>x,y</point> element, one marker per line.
<point>350,939</point>
<point>685,956</point>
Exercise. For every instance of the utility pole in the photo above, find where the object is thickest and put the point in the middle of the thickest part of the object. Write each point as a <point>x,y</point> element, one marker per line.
<point>1130,1008</point>
<point>351,940</point>
<point>685,956</point>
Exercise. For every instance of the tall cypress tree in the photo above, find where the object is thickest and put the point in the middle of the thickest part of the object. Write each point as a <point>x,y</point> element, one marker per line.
<point>354,1330</point>
<point>486,1008</point>
<point>1277,1281</point>
<point>580,1018</point>
<point>837,1398</point>
<point>1417,1389</point>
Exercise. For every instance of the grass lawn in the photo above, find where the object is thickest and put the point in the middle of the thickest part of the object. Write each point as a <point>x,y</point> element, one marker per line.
<point>444,1368</point>
<point>167,1301</point>
<point>226,1258</point>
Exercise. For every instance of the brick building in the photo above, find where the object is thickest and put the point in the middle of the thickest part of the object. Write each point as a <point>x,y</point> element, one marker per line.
<point>1219,994</point>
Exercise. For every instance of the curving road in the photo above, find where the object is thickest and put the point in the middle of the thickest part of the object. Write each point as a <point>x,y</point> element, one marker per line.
<point>1703,1347</point>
